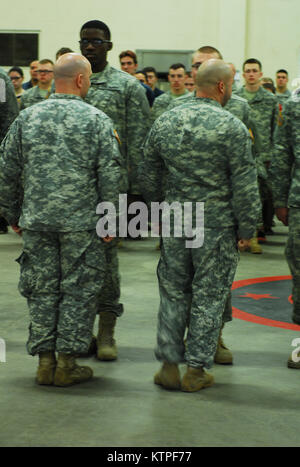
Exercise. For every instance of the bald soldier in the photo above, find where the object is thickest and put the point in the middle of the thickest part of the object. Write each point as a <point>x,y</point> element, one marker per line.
<point>205,153</point>
<point>240,108</point>
<point>58,161</point>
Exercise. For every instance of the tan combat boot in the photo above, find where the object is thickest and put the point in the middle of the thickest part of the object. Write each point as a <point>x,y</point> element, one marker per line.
<point>106,345</point>
<point>69,373</point>
<point>196,379</point>
<point>168,376</point>
<point>46,368</point>
<point>223,356</point>
<point>255,248</point>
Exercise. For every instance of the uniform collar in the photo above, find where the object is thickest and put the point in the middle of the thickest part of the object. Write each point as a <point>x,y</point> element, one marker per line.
<point>65,96</point>
<point>102,76</point>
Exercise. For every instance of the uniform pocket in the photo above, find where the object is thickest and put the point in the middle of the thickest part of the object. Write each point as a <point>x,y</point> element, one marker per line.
<point>27,280</point>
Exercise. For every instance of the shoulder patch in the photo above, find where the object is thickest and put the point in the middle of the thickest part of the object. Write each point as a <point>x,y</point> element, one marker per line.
<point>117,137</point>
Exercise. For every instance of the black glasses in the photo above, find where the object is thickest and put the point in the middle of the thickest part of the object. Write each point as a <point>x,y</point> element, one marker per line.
<point>94,42</point>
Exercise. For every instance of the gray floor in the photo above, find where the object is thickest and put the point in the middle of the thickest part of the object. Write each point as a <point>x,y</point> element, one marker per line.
<point>255,402</point>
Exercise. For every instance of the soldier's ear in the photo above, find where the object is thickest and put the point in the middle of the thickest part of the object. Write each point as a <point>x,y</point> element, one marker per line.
<point>109,46</point>
<point>221,87</point>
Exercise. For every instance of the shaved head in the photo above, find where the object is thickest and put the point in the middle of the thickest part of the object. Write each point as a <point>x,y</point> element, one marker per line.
<point>70,70</point>
<point>214,79</point>
<point>69,65</point>
<point>212,72</point>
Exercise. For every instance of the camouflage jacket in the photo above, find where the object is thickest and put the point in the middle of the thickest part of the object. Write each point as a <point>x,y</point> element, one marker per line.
<point>31,97</point>
<point>166,102</point>
<point>241,109</point>
<point>283,97</point>
<point>236,105</point>
<point>265,110</point>
<point>285,166</point>
<point>206,154</point>
<point>59,159</point>
<point>8,104</point>
<point>124,100</point>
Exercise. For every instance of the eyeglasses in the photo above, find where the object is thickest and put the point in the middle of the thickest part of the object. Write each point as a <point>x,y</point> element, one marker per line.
<point>45,71</point>
<point>196,65</point>
<point>94,42</point>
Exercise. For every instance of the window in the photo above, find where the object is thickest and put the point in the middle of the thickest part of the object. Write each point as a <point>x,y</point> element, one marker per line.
<point>162,59</point>
<point>18,49</point>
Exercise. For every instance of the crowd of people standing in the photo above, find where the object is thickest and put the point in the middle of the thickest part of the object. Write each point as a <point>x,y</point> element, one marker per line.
<point>87,132</point>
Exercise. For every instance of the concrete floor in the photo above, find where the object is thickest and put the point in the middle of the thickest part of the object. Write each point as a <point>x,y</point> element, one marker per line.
<point>255,402</point>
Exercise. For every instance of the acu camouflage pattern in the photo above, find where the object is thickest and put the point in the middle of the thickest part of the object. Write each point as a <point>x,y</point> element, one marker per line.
<point>285,167</point>
<point>199,162</point>
<point>58,161</point>
<point>194,285</point>
<point>124,100</point>
<point>236,105</point>
<point>167,101</point>
<point>61,276</point>
<point>283,96</point>
<point>31,97</point>
<point>285,172</point>
<point>9,109</point>
<point>292,254</point>
<point>205,155</point>
<point>265,110</point>
<point>241,109</point>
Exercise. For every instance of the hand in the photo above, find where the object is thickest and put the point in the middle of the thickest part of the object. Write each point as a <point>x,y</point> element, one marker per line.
<point>244,244</point>
<point>282,215</point>
<point>107,239</point>
<point>17,229</point>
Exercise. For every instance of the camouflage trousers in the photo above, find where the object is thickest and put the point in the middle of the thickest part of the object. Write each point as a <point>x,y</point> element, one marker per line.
<point>292,253</point>
<point>110,293</point>
<point>266,217</point>
<point>62,275</point>
<point>194,286</point>
<point>227,313</point>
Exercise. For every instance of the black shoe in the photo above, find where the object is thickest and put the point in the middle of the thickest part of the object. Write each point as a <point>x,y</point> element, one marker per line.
<point>261,236</point>
<point>296,317</point>
<point>269,231</point>
<point>3,230</point>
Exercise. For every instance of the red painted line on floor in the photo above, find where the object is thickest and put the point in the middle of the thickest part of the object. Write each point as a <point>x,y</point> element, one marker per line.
<point>236,313</point>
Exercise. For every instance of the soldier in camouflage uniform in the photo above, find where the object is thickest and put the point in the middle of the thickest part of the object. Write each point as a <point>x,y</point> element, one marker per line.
<point>285,172</point>
<point>282,92</point>
<point>177,92</point>
<point>44,87</point>
<point>241,109</point>
<point>265,110</point>
<point>123,99</point>
<point>59,160</point>
<point>8,112</point>
<point>206,153</point>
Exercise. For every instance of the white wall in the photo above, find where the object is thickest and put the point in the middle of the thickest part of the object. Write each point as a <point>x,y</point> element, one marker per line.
<point>274,35</point>
<point>266,29</point>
